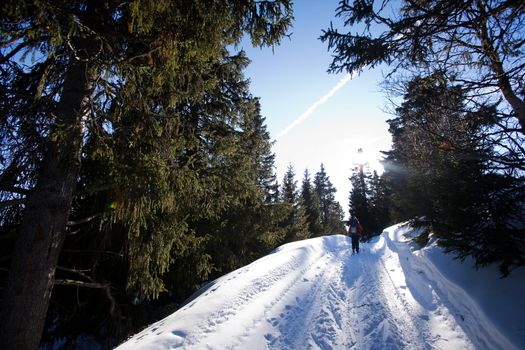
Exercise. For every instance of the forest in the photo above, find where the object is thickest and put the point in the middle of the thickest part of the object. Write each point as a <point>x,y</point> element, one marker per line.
<point>135,164</point>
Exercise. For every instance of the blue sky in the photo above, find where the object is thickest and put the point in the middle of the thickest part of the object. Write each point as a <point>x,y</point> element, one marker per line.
<point>292,77</point>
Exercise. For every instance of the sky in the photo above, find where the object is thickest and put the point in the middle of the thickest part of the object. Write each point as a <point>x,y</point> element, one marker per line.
<point>315,117</point>
<point>316,294</point>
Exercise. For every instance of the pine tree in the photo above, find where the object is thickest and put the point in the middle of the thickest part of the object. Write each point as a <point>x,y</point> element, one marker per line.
<point>334,224</point>
<point>325,192</point>
<point>250,227</point>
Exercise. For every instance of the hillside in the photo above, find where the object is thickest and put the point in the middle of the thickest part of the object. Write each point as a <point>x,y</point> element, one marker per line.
<point>315,294</point>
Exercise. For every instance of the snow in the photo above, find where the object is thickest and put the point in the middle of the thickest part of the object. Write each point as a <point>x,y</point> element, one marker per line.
<point>314,294</point>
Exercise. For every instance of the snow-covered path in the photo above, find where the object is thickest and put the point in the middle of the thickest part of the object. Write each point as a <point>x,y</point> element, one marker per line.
<point>315,294</point>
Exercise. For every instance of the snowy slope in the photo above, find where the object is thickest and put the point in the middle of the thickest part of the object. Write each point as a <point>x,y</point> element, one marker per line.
<point>315,294</point>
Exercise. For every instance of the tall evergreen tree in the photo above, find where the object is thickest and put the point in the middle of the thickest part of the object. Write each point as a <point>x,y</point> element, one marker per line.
<point>289,186</point>
<point>295,224</point>
<point>444,157</point>
<point>358,199</point>
<point>379,203</point>
<point>325,192</point>
<point>311,203</point>
<point>369,201</point>
<point>117,83</point>
<point>331,211</point>
<point>198,238</point>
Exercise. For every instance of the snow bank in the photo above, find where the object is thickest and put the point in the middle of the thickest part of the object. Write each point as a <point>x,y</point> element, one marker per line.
<point>476,295</point>
<point>315,294</point>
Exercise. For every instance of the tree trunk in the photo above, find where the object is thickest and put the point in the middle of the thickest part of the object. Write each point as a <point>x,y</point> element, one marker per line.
<point>43,229</point>
<point>515,102</point>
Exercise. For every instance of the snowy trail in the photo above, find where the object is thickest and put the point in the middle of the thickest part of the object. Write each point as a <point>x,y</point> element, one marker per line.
<point>316,295</point>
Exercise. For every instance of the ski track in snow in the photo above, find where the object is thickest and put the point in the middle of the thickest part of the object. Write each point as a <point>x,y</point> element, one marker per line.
<point>330,299</point>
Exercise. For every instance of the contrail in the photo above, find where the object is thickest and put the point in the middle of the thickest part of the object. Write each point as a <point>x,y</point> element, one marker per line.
<point>314,106</point>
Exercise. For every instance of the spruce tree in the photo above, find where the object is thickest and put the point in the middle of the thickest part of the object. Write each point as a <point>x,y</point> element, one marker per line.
<point>295,223</point>
<point>331,211</point>
<point>289,186</point>
<point>249,226</point>
<point>128,81</point>
<point>379,203</point>
<point>325,193</point>
<point>443,152</point>
<point>208,232</point>
<point>311,202</point>
<point>358,200</point>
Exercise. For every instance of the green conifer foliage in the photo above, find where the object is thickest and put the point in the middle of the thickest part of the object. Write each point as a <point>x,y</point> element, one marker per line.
<point>369,201</point>
<point>478,42</point>
<point>358,199</point>
<point>118,124</point>
<point>247,227</point>
<point>331,211</point>
<point>380,203</point>
<point>295,223</point>
<point>311,203</point>
<point>441,165</point>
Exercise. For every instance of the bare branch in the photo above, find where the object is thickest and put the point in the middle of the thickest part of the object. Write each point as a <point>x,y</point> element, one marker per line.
<point>88,251</point>
<point>83,221</point>
<point>69,282</point>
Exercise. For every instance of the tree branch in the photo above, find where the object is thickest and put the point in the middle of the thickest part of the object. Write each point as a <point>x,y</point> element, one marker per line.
<point>69,282</point>
<point>91,251</point>
<point>94,285</point>
<point>11,202</point>
<point>14,189</point>
<point>83,221</point>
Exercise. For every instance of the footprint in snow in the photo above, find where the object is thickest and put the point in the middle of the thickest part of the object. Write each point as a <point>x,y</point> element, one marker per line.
<point>179,339</point>
<point>270,338</point>
<point>273,321</point>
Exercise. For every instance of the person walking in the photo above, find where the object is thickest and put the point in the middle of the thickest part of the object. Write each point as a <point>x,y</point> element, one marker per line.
<point>355,230</point>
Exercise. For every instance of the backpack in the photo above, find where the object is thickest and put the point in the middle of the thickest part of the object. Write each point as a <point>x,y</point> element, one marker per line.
<point>353,226</point>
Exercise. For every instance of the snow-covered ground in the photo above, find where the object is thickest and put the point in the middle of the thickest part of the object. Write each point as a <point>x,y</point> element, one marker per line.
<point>315,294</point>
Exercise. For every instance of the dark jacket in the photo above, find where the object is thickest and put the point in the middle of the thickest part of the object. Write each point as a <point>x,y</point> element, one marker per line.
<point>355,229</point>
